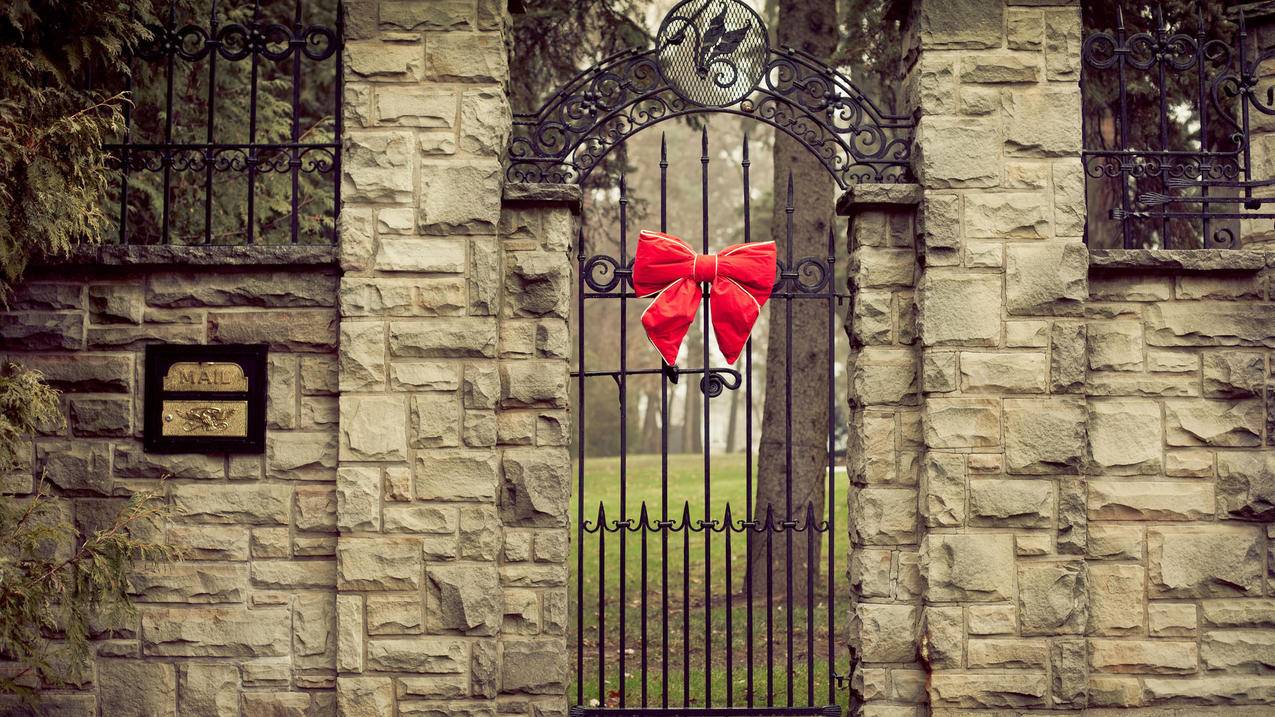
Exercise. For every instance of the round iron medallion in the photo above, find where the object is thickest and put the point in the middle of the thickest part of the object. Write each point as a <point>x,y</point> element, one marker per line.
<point>712,52</point>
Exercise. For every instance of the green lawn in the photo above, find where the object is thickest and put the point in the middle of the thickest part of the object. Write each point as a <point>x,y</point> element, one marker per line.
<point>691,680</point>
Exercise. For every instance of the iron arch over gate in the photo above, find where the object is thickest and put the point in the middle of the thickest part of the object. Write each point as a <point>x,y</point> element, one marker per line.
<point>714,57</point>
<point>710,56</point>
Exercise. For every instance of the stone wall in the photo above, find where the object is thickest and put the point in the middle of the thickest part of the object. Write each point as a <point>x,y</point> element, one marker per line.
<point>245,624</point>
<point>1092,461</point>
<point>453,482</point>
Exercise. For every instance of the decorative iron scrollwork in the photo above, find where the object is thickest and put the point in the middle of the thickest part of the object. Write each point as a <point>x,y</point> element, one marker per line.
<point>710,56</point>
<point>717,379</point>
<point>1166,195</point>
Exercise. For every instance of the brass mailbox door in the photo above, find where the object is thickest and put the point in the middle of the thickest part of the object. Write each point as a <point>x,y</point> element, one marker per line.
<point>205,399</point>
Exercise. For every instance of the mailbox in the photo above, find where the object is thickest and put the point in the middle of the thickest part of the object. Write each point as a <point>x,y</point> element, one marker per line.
<point>205,399</point>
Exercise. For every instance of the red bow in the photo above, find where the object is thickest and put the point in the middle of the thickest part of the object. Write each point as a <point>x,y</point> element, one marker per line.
<point>741,277</point>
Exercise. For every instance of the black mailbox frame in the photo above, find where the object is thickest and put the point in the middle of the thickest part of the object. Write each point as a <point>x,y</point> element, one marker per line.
<point>159,357</point>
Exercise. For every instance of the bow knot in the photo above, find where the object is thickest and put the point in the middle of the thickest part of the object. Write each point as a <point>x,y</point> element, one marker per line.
<point>705,270</point>
<point>741,277</point>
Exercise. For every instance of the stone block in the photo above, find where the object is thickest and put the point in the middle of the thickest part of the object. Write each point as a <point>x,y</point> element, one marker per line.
<point>122,337</point>
<point>260,504</point>
<point>533,665</point>
<point>465,598</point>
<point>1041,122</point>
<point>269,289</point>
<point>75,465</point>
<point>460,197</point>
<point>972,690</point>
<point>378,564</point>
<point>1044,436</point>
<point>377,167</point>
<point>968,24</point>
<point>939,372</point>
<point>421,255</point>
<point>210,542</point>
<point>297,455</point>
<point>435,296</point>
<point>536,284</point>
<point>364,696</point>
<point>1125,436</point>
<point>1204,561</point>
<point>883,516</point>
<point>84,373</point>
<point>943,485</point>
<point>1149,500</point>
<point>394,615</point>
<point>535,488</point>
<point>372,428</point>
<point>943,644</point>
<point>1062,44</point>
<point>1115,345</point>
<point>1246,485</point>
<point>484,122</point>
<point>1211,690</point>
<point>443,338</point>
<point>1012,503</point>
<point>1008,654</point>
<point>456,475</point>
<point>116,304</point>
<point>41,331</point>
<point>1007,215</point>
<point>415,106</point>
<point>209,690</point>
<point>188,583</point>
<point>960,309</point>
<point>1210,323</point>
<point>1206,422</point>
<point>1156,657</point>
<point>962,422</point>
<point>435,420</point>
<point>958,152</point>
<point>1046,279</point>
<point>133,688</point>
<point>216,632</point>
<point>533,384</point>
<point>1233,374</point>
<point>385,61</point>
<point>466,57</point>
<point>992,619</point>
<point>1052,597</point>
<point>285,331</point>
<point>46,296</point>
<point>1116,597</point>
<point>876,267</point>
<point>1166,619</point>
<point>1067,356</point>
<point>417,518</point>
<point>1002,373</point>
<point>1000,67</point>
<point>881,375</point>
<point>968,568</point>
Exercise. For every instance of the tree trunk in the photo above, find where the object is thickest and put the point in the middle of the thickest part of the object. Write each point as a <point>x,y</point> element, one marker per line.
<point>789,489</point>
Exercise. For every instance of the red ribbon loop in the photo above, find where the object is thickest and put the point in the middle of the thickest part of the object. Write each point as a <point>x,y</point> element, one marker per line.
<point>740,276</point>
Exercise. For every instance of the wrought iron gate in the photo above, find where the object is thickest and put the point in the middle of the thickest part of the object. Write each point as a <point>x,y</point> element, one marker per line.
<point>711,56</point>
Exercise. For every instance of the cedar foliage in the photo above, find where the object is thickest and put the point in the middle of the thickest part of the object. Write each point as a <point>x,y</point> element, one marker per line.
<point>56,582</point>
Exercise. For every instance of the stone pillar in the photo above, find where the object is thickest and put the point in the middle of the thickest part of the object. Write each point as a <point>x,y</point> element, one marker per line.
<point>1000,301</point>
<point>452,481</point>
<point>885,439</point>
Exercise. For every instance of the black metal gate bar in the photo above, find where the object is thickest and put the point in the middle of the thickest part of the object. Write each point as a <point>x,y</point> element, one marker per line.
<point>603,277</point>
<point>178,41</point>
<point>705,333</point>
<point>745,164</point>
